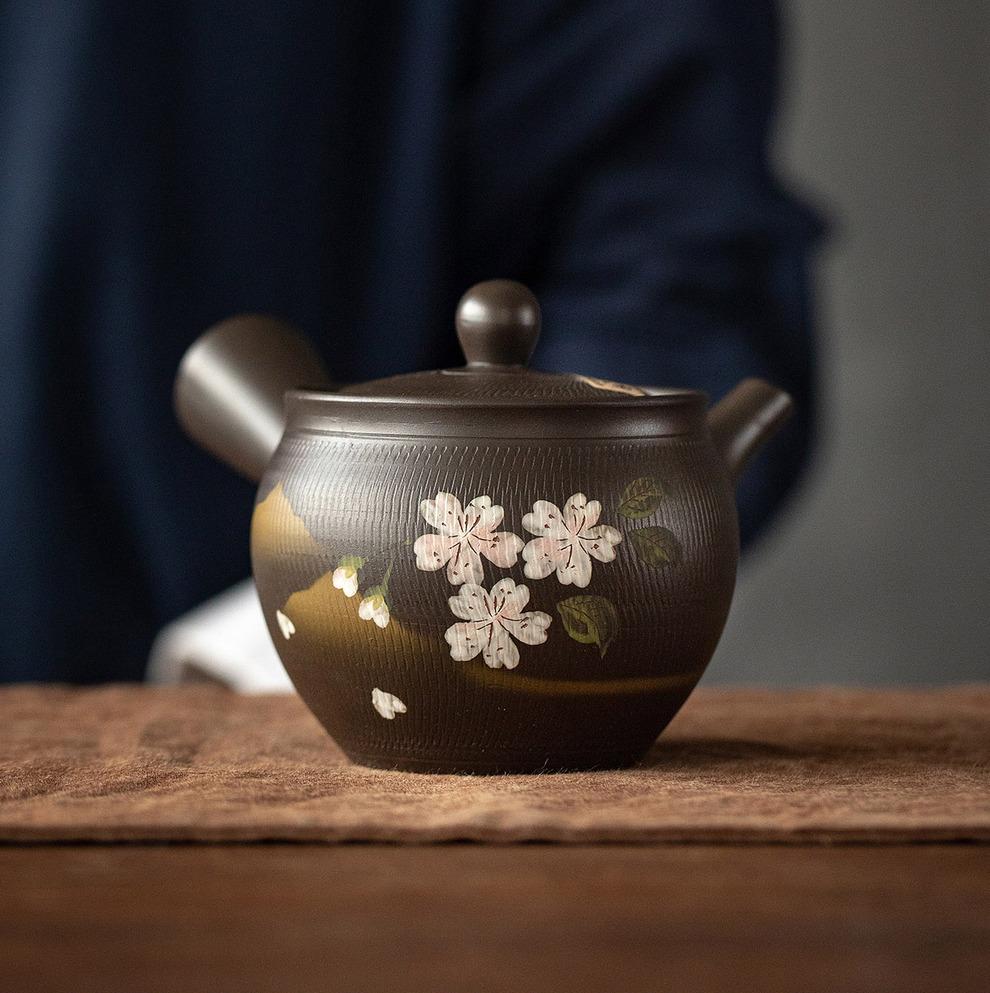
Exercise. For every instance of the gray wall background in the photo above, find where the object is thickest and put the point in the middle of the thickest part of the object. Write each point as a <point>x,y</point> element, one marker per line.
<point>880,572</point>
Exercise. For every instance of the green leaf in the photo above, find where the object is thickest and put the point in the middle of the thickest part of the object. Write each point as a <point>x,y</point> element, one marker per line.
<point>351,562</point>
<point>656,546</point>
<point>590,620</point>
<point>641,498</point>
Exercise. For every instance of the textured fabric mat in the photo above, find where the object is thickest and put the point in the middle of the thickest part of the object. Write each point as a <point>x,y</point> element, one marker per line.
<point>200,763</point>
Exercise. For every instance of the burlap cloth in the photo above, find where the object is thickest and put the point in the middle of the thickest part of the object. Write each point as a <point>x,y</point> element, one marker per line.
<point>202,764</point>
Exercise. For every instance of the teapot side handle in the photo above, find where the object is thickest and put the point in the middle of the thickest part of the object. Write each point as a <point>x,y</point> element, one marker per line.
<point>745,419</point>
<point>231,384</point>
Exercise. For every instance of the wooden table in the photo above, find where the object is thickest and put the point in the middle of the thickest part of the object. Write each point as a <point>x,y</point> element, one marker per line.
<point>880,917</point>
<point>474,918</point>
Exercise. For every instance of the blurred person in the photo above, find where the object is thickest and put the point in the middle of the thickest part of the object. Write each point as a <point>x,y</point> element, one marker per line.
<point>353,168</point>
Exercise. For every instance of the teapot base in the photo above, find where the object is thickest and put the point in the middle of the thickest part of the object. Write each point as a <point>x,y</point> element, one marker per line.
<point>505,765</point>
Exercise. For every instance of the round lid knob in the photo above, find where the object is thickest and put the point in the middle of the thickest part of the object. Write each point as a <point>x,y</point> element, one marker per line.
<point>498,323</point>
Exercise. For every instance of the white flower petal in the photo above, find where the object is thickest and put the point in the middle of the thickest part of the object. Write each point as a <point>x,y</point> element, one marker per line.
<point>345,578</point>
<point>599,542</point>
<point>285,625</point>
<point>576,511</point>
<point>530,628</point>
<point>546,520</point>
<point>444,513</point>
<point>432,552</point>
<point>465,640</point>
<point>577,570</point>
<point>471,603</point>
<point>592,511</point>
<point>482,517</point>
<point>501,549</point>
<point>612,535</point>
<point>540,556</point>
<point>600,550</point>
<point>500,650</point>
<point>387,704</point>
<point>508,599</point>
<point>374,608</point>
<point>465,566</point>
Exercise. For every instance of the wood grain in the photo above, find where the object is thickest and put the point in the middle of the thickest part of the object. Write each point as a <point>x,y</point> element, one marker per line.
<point>490,919</point>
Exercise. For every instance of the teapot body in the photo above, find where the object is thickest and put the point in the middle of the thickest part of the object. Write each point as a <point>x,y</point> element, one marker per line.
<point>494,604</point>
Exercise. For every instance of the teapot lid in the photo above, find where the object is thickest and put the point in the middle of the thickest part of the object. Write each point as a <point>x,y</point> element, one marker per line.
<point>495,395</point>
<point>498,324</point>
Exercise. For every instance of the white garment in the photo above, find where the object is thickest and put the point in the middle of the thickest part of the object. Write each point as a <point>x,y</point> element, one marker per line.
<point>224,640</point>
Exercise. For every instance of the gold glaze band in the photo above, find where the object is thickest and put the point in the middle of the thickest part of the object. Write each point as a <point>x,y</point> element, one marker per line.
<point>510,680</point>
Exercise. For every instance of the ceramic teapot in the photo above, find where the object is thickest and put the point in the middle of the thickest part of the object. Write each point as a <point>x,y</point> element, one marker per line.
<point>488,568</point>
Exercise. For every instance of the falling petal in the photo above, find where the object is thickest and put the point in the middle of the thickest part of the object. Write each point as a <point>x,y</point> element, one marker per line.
<point>285,625</point>
<point>387,704</point>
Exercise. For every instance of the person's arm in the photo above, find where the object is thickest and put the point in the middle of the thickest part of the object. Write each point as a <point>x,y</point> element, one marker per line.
<point>616,156</point>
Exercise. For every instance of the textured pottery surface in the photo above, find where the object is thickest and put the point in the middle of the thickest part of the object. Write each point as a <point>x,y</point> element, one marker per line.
<point>492,569</point>
<point>494,658</point>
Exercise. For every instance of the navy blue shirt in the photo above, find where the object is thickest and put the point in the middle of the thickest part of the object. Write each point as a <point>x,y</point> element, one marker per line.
<point>352,168</point>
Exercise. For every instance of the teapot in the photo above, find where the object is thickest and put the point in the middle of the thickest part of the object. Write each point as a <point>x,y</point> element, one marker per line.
<point>484,569</point>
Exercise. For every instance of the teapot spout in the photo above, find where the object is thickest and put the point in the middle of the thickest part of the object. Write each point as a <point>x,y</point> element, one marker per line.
<point>745,419</point>
<point>231,383</point>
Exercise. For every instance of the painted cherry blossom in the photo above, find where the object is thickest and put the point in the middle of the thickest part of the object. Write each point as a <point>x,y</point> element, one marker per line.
<point>490,620</point>
<point>387,704</point>
<point>374,608</point>
<point>464,535</point>
<point>345,577</point>
<point>568,540</point>
<point>285,625</point>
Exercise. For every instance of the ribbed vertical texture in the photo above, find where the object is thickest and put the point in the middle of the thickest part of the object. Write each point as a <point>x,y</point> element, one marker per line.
<point>327,496</point>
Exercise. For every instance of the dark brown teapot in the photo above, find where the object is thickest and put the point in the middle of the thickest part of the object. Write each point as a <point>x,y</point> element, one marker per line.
<point>482,569</point>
